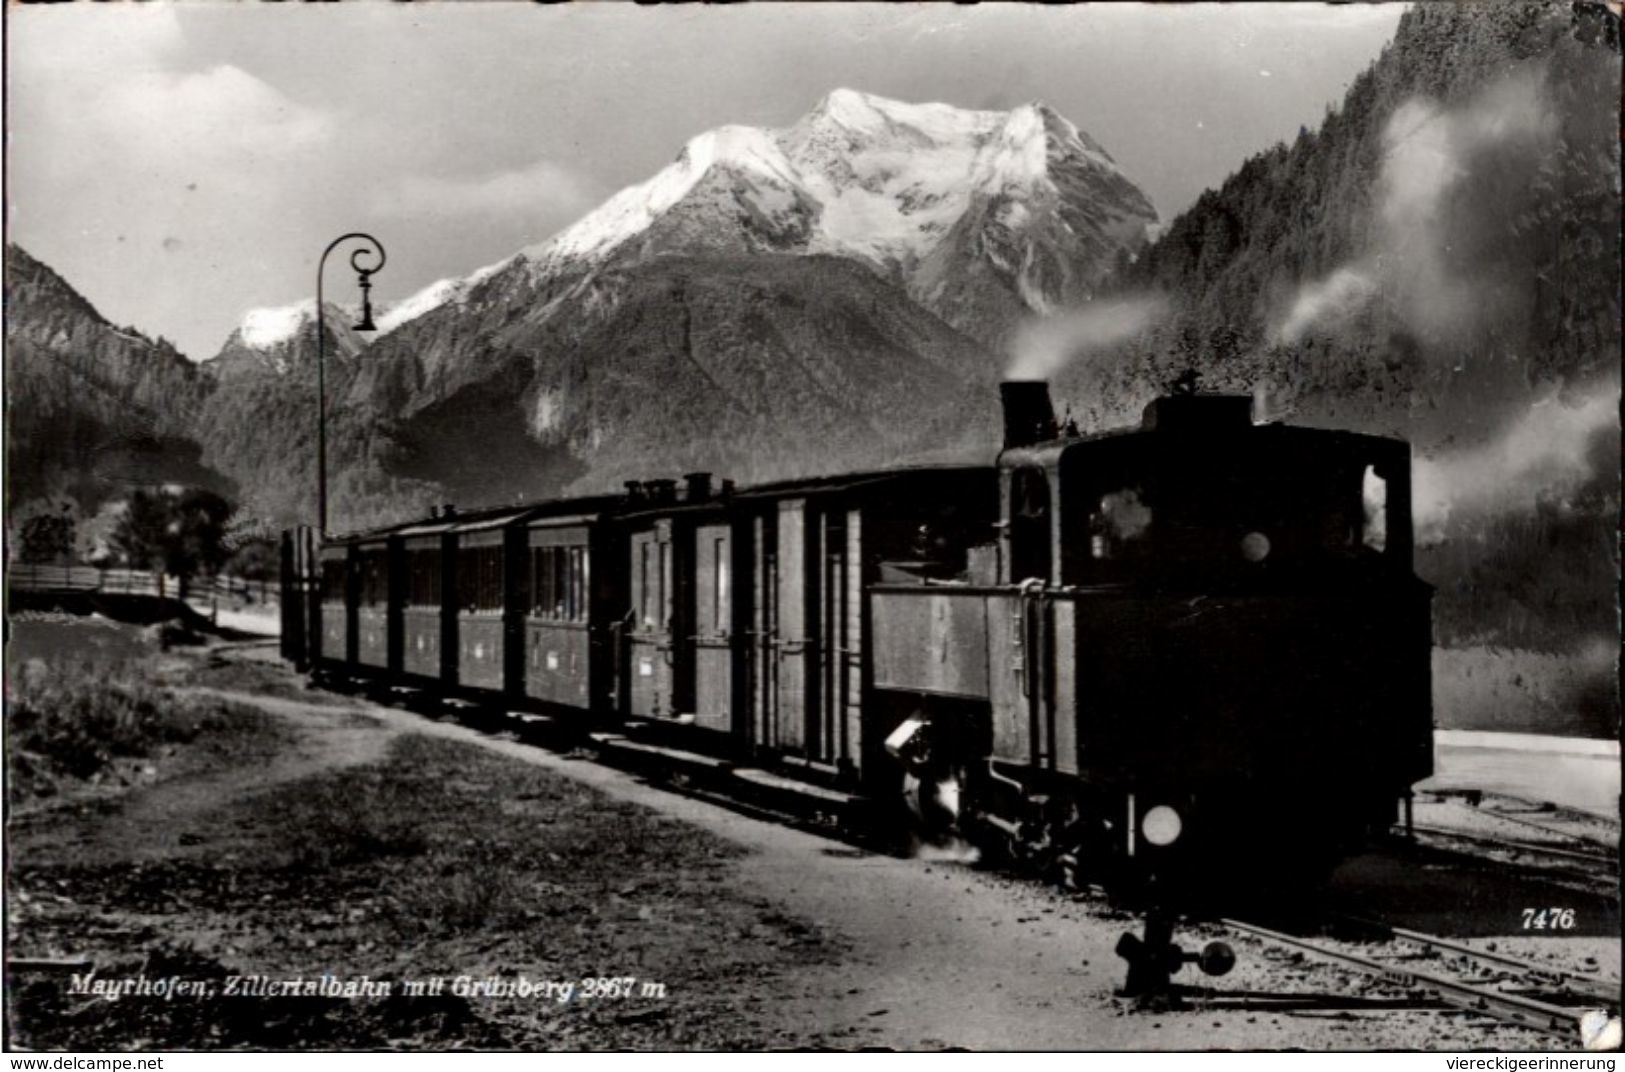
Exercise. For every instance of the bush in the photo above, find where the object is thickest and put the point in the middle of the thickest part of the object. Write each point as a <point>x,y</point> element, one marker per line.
<point>74,719</point>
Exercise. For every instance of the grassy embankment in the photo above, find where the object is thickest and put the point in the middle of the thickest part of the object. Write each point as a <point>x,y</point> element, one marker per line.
<point>431,859</point>
<point>71,721</point>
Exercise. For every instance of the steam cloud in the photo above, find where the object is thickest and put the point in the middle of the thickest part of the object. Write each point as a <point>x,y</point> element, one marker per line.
<point>1428,154</point>
<point>1328,301</point>
<point>1547,450</point>
<point>1043,346</point>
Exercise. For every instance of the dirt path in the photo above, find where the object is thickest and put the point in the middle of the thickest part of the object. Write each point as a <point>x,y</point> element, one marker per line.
<point>944,955</point>
<point>159,821</point>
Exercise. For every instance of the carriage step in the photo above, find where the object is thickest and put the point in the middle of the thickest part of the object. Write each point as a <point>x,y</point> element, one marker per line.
<point>618,742</point>
<point>769,780</point>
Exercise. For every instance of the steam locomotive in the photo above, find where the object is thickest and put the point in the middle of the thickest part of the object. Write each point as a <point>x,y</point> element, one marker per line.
<point>1191,647</point>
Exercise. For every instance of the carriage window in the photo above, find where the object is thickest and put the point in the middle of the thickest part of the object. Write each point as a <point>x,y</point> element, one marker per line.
<point>643,585</point>
<point>374,578</point>
<point>423,587</point>
<point>564,594</point>
<point>479,579</point>
<point>541,582</point>
<point>333,576</point>
<point>578,588</point>
<point>665,584</point>
<point>559,583</point>
<point>719,593</point>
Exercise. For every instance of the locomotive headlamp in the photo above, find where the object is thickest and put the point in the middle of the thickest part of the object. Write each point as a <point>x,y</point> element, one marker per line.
<point>1255,547</point>
<point>1161,825</point>
<point>910,743</point>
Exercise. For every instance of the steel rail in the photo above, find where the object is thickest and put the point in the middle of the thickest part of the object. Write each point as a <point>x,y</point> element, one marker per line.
<point>1516,846</point>
<point>1584,839</point>
<point>1559,1020</point>
<point>1579,985</point>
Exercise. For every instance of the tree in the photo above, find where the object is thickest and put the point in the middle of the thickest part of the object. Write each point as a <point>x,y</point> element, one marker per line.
<point>180,532</point>
<point>48,537</point>
<point>257,559</point>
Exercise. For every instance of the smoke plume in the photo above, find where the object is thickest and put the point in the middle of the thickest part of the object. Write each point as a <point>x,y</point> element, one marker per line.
<point>1449,178</point>
<point>1551,449</point>
<point>1327,302</point>
<point>1042,346</point>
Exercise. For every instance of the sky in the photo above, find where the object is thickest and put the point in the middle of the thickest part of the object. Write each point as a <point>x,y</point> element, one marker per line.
<point>182,163</point>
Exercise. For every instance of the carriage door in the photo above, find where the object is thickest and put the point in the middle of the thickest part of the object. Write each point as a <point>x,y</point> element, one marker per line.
<point>651,657</point>
<point>838,736</point>
<point>824,742</point>
<point>764,632</point>
<point>713,637</point>
<point>797,607</point>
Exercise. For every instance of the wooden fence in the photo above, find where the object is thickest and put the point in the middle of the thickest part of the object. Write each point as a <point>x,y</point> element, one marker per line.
<point>48,578</point>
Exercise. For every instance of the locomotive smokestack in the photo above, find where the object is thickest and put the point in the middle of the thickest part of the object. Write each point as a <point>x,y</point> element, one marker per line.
<point>1029,416</point>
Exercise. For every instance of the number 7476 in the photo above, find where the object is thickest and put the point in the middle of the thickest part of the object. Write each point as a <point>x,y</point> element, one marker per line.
<point>1548,919</point>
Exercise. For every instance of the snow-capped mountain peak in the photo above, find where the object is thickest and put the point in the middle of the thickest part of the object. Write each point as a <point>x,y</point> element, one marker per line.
<point>883,181</point>
<point>441,292</point>
<point>262,329</point>
<point>747,150</point>
<point>867,115</point>
<point>276,338</point>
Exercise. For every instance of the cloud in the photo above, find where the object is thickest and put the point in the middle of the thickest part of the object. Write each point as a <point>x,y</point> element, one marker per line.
<point>122,86</point>
<point>219,114</point>
<point>540,187</point>
<point>61,43</point>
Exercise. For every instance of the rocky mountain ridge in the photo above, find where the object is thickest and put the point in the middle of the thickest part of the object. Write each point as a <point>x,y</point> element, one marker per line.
<point>92,408</point>
<point>1022,201</point>
<point>799,289</point>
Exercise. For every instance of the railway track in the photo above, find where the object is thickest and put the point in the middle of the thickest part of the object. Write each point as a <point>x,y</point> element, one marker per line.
<point>1527,848</point>
<point>1573,836</point>
<point>1508,988</point>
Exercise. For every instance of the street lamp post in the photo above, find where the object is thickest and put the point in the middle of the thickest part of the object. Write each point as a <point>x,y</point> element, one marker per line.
<point>364,277</point>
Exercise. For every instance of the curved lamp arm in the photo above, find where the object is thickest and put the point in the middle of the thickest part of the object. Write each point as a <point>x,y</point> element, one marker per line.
<point>374,248</point>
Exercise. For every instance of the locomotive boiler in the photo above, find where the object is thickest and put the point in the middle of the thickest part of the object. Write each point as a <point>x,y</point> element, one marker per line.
<point>1173,649</point>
